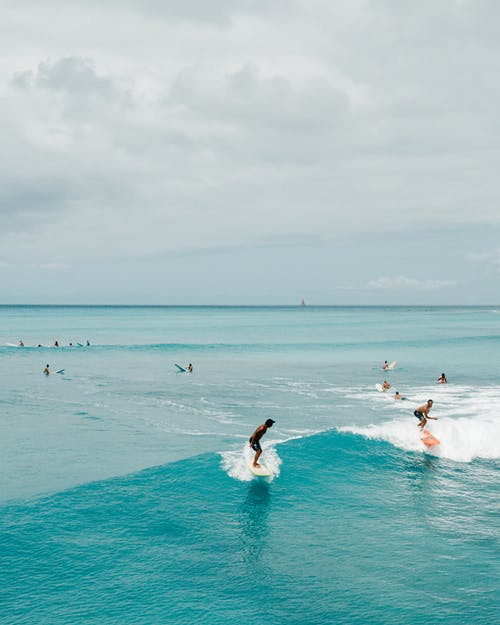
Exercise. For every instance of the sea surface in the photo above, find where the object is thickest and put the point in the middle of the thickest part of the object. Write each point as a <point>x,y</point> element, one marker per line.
<point>126,498</point>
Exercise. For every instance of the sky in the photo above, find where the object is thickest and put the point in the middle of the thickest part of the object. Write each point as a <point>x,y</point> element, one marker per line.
<point>250,152</point>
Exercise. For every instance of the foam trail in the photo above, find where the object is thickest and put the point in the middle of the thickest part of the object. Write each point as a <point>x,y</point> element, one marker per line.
<point>235,462</point>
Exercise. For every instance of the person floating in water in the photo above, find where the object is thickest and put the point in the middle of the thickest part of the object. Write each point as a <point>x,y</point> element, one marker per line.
<point>385,365</point>
<point>422,414</point>
<point>21,344</point>
<point>46,370</point>
<point>88,343</point>
<point>56,343</point>
<point>442,379</point>
<point>255,439</point>
<point>386,385</point>
<point>189,368</point>
<point>398,395</point>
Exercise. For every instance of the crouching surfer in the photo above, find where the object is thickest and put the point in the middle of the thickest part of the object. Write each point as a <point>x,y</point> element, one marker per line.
<point>422,414</point>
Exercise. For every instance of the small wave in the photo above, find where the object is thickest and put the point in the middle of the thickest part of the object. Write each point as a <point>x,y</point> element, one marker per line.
<point>235,465</point>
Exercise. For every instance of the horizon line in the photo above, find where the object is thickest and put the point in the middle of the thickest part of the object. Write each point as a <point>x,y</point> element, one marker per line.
<point>108,305</point>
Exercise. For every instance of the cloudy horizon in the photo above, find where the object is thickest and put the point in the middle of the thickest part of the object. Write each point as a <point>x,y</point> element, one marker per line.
<point>250,152</point>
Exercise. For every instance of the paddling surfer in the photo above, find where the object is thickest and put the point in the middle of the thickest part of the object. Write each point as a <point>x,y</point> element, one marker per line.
<point>255,439</point>
<point>422,414</point>
<point>46,370</point>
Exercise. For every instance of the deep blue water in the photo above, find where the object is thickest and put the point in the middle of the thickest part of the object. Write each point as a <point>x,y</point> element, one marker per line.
<point>126,499</point>
<point>353,531</point>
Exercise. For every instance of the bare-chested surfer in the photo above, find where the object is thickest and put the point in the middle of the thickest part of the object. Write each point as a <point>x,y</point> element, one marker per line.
<point>422,414</point>
<point>255,439</point>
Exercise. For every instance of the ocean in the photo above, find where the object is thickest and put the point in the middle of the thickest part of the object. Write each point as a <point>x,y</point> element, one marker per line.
<point>126,498</point>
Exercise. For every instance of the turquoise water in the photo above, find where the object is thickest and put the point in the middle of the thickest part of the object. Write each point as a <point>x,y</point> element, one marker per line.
<point>126,498</point>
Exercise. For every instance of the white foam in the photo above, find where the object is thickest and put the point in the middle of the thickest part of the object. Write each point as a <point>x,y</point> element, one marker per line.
<point>235,462</point>
<point>462,439</point>
<point>468,424</point>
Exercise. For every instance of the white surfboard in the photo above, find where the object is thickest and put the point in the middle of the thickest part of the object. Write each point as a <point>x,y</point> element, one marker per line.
<point>392,365</point>
<point>379,388</point>
<point>179,368</point>
<point>260,471</point>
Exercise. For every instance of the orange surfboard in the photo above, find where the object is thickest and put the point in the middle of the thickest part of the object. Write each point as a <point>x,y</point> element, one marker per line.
<point>428,439</point>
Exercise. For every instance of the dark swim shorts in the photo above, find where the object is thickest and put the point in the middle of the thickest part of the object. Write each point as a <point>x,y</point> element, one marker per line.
<point>255,446</point>
<point>419,415</point>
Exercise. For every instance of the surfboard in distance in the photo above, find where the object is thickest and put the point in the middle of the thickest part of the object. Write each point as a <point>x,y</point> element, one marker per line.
<point>379,388</point>
<point>260,471</point>
<point>60,371</point>
<point>179,368</point>
<point>392,365</point>
<point>429,440</point>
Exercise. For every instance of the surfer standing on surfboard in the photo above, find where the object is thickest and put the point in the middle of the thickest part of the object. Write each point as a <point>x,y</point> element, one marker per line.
<point>255,439</point>
<point>422,414</point>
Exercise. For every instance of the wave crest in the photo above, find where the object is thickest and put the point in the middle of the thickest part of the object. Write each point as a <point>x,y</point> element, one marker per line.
<point>462,440</point>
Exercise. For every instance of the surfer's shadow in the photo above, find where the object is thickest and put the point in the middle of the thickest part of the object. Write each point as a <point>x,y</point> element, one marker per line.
<point>423,477</point>
<point>253,522</point>
<point>419,469</point>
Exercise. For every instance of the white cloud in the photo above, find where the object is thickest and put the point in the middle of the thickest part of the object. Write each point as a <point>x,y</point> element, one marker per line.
<point>48,266</point>
<point>403,282</point>
<point>52,266</point>
<point>490,258</point>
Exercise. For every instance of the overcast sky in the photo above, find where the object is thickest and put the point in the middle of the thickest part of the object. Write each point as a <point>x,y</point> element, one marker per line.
<point>250,151</point>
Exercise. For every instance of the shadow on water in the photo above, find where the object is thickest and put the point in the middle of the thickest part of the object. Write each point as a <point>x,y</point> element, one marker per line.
<point>253,521</point>
<point>422,466</point>
<point>427,478</point>
<point>421,472</point>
